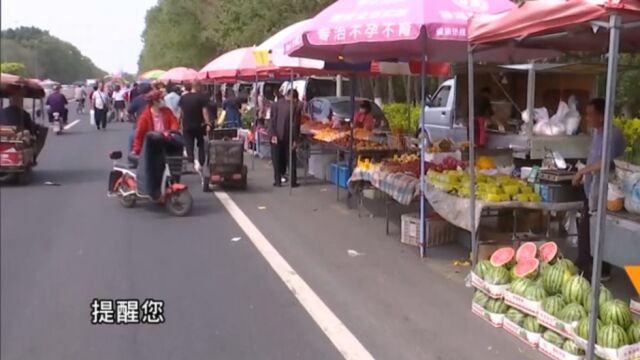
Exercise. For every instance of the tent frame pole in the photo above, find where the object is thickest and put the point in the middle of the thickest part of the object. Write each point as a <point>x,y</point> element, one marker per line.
<point>612,74</point>
<point>472,157</point>
<point>291,170</point>
<point>423,148</point>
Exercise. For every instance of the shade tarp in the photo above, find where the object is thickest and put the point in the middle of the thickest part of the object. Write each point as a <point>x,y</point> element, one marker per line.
<point>179,74</point>
<point>151,75</point>
<point>364,30</point>
<point>561,25</point>
<point>235,64</point>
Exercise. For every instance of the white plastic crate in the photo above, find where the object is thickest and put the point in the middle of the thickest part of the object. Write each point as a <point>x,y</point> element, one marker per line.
<point>438,230</point>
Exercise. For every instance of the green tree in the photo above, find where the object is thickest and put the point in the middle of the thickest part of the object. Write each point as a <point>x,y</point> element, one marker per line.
<point>13,68</point>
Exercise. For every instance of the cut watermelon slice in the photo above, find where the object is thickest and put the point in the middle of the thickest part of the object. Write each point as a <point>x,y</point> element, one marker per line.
<point>548,251</point>
<point>526,251</point>
<point>502,256</point>
<point>526,268</point>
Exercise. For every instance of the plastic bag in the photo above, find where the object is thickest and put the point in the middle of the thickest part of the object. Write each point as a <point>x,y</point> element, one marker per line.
<point>572,118</point>
<point>92,117</point>
<point>632,193</point>
<point>539,114</point>
<point>571,226</point>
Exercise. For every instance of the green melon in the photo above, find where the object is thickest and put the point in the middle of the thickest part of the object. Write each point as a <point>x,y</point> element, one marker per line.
<point>480,298</point>
<point>496,306</point>
<point>553,305</point>
<point>582,329</point>
<point>497,276</point>
<point>634,333</point>
<point>575,288</point>
<point>526,268</point>
<point>554,279</point>
<point>531,324</point>
<point>544,267</point>
<point>605,295</point>
<point>527,250</point>
<point>612,336</point>
<point>572,312</point>
<point>616,312</point>
<point>520,285</point>
<point>572,348</point>
<point>482,267</point>
<point>568,265</point>
<point>553,338</point>
<point>535,293</point>
<point>502,257</point>
<point>516,316</point>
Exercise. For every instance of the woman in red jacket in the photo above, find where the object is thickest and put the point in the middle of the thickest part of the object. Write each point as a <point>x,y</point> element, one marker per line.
<point>156,135</point>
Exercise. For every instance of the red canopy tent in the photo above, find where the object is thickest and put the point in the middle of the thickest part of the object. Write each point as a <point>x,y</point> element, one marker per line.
<point>598,27</point>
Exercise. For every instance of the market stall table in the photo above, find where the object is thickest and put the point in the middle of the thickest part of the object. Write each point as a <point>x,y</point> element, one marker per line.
<point>623,242</point>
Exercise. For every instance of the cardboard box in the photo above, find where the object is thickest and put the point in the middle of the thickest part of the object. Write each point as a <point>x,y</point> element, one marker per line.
<point>634,305</point>
<point>551,322</point>
<point>555,352</point>
<point>628,352</point>
<point>521,303</point>
<point>493,291</point>
<point>495,320</point>
<point>530,338</point>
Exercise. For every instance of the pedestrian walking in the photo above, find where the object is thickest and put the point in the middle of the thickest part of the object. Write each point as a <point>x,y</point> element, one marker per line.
<point>281,119</point>
<point>172,98</point>
<point>194,116</point>
<point>100,103</point>
<point>119,103</point>
<point>231,107</point>
<point>80,96</point>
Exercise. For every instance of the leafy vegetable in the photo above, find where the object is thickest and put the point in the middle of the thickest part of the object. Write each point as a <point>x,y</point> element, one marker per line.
<point>402,118</point>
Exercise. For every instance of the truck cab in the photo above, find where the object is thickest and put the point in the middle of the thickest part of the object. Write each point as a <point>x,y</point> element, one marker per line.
<point>440,116</point>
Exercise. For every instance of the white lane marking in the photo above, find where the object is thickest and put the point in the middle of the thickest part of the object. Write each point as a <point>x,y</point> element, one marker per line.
<point>346,343</point>
<point>71,124</point>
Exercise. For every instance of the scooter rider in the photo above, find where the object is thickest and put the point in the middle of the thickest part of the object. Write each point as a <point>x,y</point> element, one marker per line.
<point>156,134</point>
<point>57,102</point>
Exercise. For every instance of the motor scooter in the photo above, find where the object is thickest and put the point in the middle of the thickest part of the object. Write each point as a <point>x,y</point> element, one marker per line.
<point>174,195</point>
<point>58,124</point>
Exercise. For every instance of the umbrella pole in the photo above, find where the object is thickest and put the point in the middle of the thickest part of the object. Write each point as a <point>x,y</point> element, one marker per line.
<point>255,137</point>
<point>472,159</point>
<point>423,136</point>
<point>291,170</point>
<point>350,158</point>
<point>612,73</point>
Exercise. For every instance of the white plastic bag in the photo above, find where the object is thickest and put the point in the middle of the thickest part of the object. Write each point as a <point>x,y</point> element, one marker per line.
<point>572,118</point>
<point>92,117</point>
<point>571,226</point>
<point>632,193</point>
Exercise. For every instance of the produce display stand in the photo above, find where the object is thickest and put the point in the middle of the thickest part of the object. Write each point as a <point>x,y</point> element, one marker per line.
<point>623,245</point>
<point>574,26</point>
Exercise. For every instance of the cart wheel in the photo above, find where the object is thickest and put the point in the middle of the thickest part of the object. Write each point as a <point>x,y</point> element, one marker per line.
<point>206,187</point>
<point>7,178</point>
<point>25,177</point>
<point>180,203</point>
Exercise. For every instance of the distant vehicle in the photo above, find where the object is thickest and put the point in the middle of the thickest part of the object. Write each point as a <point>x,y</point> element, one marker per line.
<point>332,108</point>
<point>91,82</point>
<point>312,87</point>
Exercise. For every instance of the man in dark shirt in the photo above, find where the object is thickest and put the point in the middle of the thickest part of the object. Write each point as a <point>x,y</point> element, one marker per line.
<point>57,102</point>
<point>281,118</point>
<point>14,115</point>
<point>194,116</point>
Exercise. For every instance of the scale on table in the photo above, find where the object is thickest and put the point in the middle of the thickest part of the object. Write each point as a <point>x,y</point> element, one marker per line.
<point>554,182</point>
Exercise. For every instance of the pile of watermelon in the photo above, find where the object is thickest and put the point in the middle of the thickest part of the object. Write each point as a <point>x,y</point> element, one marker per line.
<point>542,274</point>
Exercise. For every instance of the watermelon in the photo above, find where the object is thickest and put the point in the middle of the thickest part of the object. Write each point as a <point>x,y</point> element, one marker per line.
<point>515,316</point>
<point>496,306</point>
<point>554,278</point>
<point>502,256</point>
<point>582,329</point>
<point>548,252</point>
<point>543,268</point>
<point>520,285</point>
<point>572,312</point>
<point>553,338</point>
<point>616,312</point>
<point>567,264</point>
<point>482,267</point>
<point>480,298</point>
<point>526,268</point>
<point>531,324</point>
<point>535,293</point>
<point>526,251</point>
<point>634,333</point>
<point>572,348</point>
<point>553,305</point>
<point>575,288</point>
<point>612,336</point>
<point>605,295</point>
<point>497,276</point>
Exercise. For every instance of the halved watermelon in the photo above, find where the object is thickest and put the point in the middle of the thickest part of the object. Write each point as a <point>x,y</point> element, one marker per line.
<point>526,268</point>
<point>548,251</point>
<point>527,250</point>
<point>502,256</point>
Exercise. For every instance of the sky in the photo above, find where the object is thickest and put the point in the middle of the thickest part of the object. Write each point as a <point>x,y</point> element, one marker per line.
<point>107,31</point>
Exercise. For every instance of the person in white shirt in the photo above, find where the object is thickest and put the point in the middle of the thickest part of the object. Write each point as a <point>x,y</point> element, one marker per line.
<point>100,104</point>
<point>172,98</point>
<point>80,95</point>
<point>119,103</point>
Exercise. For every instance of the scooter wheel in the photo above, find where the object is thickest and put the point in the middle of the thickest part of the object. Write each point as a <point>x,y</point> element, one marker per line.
<point>128,201</point>
<point>180,203</point>
<point>206,186</point>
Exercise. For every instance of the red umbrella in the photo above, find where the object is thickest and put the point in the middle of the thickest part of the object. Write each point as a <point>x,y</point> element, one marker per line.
<point>235,64</point>
<point>179,75</point>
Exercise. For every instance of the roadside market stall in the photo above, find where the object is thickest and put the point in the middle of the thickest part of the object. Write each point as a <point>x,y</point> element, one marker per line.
<point>579,26</point>
<point>151,75</point>
<point>179,75</point>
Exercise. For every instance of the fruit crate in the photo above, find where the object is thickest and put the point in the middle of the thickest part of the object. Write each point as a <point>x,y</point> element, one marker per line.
<point>438,230</point>
<point>521,303</point>
<point>496,320</point>
<point>628,352</point>
<point>634,305</point>
<point>530,338</point>
<point>555,352</point>
<point>553,323</point>
<point>339,175</point>
<point>493,291</point>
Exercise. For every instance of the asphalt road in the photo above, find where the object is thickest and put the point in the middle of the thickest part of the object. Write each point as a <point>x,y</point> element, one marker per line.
<point>62,246</point>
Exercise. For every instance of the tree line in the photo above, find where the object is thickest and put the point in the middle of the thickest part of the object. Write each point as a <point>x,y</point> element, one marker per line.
<point>44,56</point>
